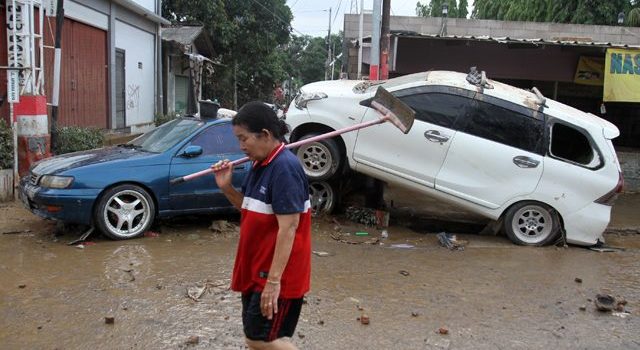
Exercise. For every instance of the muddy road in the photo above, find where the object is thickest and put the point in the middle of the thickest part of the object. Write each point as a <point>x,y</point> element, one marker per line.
<point>492,295</point>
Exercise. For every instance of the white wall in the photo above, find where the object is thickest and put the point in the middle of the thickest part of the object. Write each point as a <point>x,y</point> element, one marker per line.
<point>139,96</point>
<point>148,4</point>
<point>86,15</point>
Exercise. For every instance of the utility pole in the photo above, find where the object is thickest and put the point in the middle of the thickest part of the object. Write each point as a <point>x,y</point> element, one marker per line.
<point>360,40</point>
<point>375,43</point>
<point>384,40</point>
<point>235,85</point>
<point>326,73</point>
<point>56,75</point>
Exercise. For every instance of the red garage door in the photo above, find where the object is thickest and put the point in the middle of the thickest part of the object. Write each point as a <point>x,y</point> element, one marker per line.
<point>83,76</point>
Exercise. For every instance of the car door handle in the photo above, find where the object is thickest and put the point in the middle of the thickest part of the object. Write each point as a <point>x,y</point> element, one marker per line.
<point>435,136</point>
<point>525,162</point>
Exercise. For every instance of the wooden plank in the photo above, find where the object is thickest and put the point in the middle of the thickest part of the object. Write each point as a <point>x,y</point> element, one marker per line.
<point>6,185</point>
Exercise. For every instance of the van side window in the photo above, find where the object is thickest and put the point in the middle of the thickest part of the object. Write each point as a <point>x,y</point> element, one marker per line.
<point>437,108</point>
<point>503,125</point>
<point>572,145</point>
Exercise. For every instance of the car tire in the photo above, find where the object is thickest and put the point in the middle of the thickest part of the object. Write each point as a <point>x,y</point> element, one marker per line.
<point>321,159</point>
<point>531,223</point>
<point>323,197</point>
<point>124,212</point>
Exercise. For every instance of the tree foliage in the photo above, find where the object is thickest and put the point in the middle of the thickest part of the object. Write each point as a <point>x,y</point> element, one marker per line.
<point>255,47</point>
<point>603,12</point>
<point>248,36</point>
<point>456,9</point>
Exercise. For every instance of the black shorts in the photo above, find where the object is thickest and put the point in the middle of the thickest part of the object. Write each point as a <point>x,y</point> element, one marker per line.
<point>258,327</point>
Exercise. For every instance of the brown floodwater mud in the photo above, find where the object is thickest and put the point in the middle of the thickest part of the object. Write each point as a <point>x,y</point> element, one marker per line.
<point>491,295</point>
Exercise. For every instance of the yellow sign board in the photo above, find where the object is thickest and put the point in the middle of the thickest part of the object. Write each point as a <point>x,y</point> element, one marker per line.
<point>590,71</point>
<point>622,75</point>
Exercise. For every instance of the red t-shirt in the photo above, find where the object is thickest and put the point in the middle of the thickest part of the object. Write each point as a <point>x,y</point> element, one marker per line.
<point>277,185</point>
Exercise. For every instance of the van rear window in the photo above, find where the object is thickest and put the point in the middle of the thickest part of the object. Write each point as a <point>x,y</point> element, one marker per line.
<point>570,144</point>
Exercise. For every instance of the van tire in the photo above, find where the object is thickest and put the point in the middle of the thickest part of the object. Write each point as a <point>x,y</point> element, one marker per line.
<point>531,223</point>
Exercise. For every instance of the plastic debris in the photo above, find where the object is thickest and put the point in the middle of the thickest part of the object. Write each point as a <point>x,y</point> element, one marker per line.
<point>320,253</point>
<point>362,233</point>
<point>404,272</point>
<point>403,246</point>
<point>109,319</point>
<point>443,330</point>
<point>450,241</point>
<point>384,234</point>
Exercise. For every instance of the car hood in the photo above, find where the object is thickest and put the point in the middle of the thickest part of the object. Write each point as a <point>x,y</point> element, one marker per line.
<point>338,88</point>
<point>74,160</point>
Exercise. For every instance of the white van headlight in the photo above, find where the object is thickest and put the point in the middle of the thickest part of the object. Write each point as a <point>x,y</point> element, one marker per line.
<point>304,97</point>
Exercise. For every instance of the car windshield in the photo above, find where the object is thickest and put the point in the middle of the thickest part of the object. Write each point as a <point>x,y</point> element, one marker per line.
<point>166,136</point>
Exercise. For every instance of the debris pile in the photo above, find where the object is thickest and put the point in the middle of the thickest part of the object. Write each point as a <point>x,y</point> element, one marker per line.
<point>368,216</point>
<point>223,226</point>
<point>196,291</point>
<point>450,241</point>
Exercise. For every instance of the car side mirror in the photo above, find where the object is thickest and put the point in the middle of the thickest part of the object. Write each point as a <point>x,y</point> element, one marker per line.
<point>191,151</point>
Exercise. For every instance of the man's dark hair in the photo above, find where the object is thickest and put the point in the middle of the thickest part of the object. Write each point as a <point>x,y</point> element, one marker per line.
<point>256,116</point>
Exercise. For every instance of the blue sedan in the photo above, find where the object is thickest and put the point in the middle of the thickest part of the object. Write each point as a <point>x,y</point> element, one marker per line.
<point>122,189</point>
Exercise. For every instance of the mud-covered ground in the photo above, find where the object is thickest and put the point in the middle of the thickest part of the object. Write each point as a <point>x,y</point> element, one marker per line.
<point>491,295</point>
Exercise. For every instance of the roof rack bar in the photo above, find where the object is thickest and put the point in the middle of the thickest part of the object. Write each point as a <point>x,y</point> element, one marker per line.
<point>541,99</point>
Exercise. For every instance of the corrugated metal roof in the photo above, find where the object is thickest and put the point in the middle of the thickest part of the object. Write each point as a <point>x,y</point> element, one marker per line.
<point>184,35</point>
<point>509,40</point>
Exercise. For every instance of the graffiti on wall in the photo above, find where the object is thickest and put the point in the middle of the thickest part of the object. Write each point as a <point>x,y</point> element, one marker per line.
<point>133,96</point>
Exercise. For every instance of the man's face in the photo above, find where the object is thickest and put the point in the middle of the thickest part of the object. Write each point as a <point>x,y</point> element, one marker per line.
<point>255,145</point>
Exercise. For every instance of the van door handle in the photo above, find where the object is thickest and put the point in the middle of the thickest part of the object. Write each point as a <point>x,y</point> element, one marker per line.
<point>435,136</point>
<point>525,162</point>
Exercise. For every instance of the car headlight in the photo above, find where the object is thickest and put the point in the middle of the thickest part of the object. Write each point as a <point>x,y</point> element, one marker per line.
<point>303,97</point>
<point>54,181</point>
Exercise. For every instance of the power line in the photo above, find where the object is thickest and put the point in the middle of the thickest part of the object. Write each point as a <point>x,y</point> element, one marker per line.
<point>278,17</point>
<point>337,12</point>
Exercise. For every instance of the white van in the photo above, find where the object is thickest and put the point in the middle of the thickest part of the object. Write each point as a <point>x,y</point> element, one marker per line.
<point>538,166</point>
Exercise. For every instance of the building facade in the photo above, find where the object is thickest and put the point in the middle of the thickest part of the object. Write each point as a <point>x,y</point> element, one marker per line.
<point>110,63</point>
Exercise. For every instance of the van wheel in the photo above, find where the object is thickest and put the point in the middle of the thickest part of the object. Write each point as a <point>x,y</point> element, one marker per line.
<point>320,160</point>
<point>531,223</point>
<point>124,212</point>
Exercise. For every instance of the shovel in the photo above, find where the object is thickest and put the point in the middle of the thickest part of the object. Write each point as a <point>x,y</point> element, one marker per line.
<point>390,108</point>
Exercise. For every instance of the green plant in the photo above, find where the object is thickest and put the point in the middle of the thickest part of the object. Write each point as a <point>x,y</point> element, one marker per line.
<point>74,138</point>
<point>6,145</point>
<point>163,118</point>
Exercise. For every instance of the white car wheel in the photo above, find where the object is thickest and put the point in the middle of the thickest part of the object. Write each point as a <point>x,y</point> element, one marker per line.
<point>531,223</point>
<point>321,159</point>
<point>322,197</point>
<point>124,212</point>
